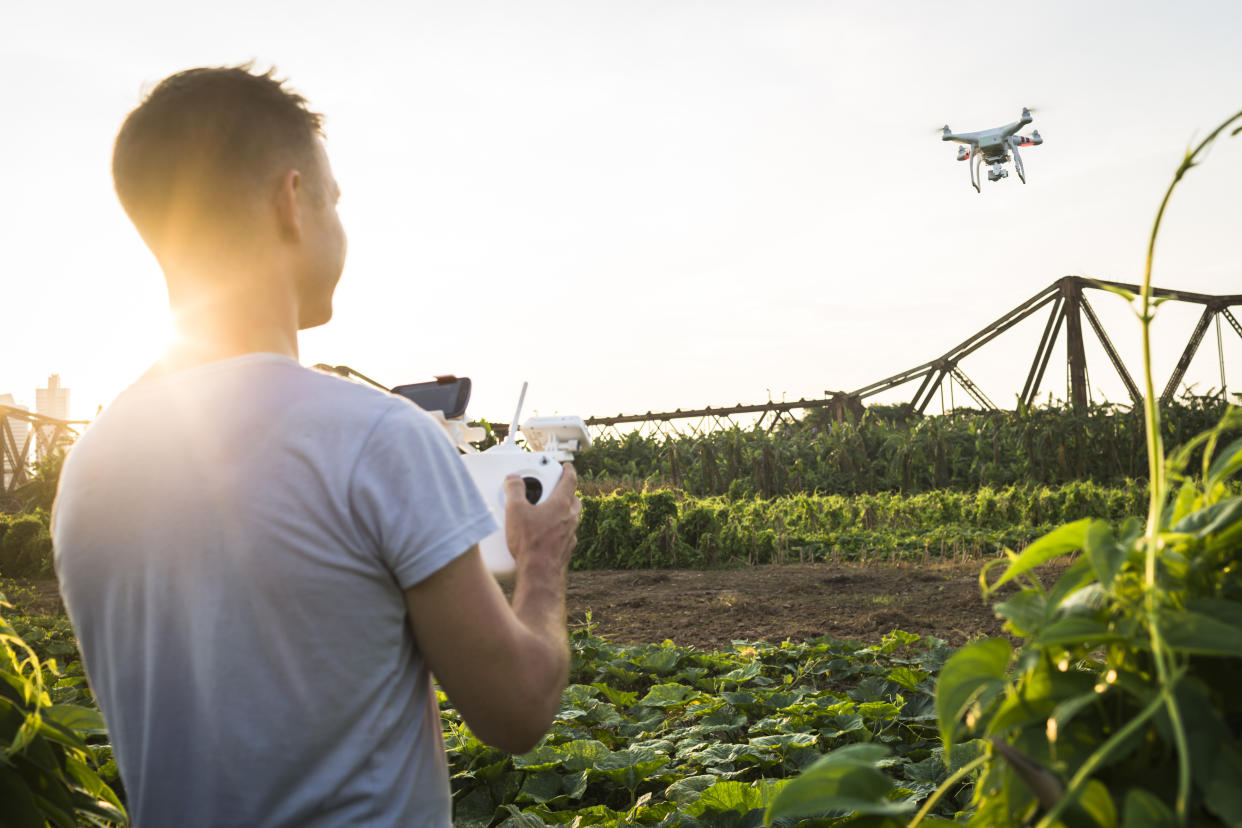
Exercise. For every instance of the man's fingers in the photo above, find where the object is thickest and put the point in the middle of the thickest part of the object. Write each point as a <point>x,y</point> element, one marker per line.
<point>515,488</point>
<point>568,484</point>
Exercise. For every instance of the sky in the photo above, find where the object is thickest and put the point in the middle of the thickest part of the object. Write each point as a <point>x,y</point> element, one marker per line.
<point>650,204</point>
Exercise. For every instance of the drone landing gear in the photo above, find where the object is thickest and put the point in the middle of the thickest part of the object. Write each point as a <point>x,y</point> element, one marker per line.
<point>1017,164</point>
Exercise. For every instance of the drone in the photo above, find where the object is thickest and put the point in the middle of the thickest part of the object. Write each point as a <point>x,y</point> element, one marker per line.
<point>993,146</point>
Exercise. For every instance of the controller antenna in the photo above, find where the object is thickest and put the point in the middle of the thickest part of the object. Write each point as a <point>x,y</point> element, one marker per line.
<point>517,415</point>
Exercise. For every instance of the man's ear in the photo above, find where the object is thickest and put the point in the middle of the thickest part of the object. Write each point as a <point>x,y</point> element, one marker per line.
<point>286,205</point>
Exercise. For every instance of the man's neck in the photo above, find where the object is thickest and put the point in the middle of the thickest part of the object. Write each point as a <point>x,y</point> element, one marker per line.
<point>221,327</point>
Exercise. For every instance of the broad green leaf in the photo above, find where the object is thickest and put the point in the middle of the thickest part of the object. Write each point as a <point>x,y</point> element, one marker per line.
<point>578,755</point>
<point>86,778</point>
<point>20,809</point>
<point>1211,519</point>
<point>595,815</point>
<point>576,695</point>
<point>840,725</point>
<point>1143,809</point>
<point>27,732</point>
<point>726,754</point>
<point>474,810</point>
<point>660,661</point>
<point>647,813</point>
<point>81,720</point>
<point>970,670</point>
<point>1098,803</point>
<point>517,819</point>
<point>575,784</point>
<point>895,640</point>
<point>1076,629</point>
<point>1227,463</point>
<point>1185,502</point>
<point>723,720</point>
<point>1193,632</point>
<point>1106,555</point>
<point>628,768</point>
<point>881,710</point>
<point>1025,611</point>
<point>543,757</point>
<point>728,795</point>
<point>1032,700</point>
<point>845,781</point>
<point>783,741</point>
<point>1079,575</point>
<point>582,754</point>
<point>1086,601</point>
<point>689,789</point>
<point>1223,610</point>
<point>1223,787</point>
<point>1058,542</point>
<point>907,678</point>
<point>743,673</point>
<point>620,698</point>
<point>541,786</point>
<point>669,695</point>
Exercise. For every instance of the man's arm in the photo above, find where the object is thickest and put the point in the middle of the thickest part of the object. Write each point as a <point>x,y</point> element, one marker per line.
<point>503,666</point>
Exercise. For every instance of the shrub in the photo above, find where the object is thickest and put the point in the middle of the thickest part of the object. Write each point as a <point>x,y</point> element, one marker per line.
<point>22,530</point>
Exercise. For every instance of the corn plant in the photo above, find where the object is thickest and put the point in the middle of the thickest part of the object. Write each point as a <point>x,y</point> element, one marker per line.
<point>966,451</point>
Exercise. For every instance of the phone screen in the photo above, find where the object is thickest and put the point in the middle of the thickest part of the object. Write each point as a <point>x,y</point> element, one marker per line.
<point>450,397</point>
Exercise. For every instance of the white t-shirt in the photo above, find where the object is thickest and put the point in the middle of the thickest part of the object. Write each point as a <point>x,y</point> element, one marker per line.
<point>233,542</point>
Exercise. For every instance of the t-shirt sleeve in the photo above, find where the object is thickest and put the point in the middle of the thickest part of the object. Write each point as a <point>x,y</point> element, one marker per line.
<point>413,498</point>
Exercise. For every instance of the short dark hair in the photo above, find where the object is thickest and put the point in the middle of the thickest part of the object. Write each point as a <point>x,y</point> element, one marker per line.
<point>206,139</point>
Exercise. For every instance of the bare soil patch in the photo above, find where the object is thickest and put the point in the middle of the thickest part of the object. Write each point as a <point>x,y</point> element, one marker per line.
<point>856,602</point>
<point>709,609</point>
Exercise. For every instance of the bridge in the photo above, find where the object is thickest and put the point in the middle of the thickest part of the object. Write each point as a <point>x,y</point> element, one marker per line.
<point>1070,314</point>
<point>21,431</point>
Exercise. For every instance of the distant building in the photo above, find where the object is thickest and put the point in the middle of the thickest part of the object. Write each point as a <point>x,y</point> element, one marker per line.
<point>52,401</point>
<point>12,441</point>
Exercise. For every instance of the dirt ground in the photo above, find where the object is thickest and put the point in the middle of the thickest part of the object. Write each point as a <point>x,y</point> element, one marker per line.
<point>857,602</point>
<point>708,609</point>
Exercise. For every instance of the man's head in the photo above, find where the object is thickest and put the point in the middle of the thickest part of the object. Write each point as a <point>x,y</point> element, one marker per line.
<point>202,165</point>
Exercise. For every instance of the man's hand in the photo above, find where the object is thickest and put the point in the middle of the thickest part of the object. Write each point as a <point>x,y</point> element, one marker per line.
<point>502,666</point>
<point>544,535</point>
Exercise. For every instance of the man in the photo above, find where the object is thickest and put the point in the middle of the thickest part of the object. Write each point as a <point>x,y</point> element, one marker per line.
<point>263,563</point>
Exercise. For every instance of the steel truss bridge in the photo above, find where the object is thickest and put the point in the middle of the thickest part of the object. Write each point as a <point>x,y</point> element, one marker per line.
<point>1068,307</point>
<point>43,434</point>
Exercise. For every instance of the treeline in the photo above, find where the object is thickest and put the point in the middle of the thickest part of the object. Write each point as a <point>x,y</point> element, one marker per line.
<point>884,452</point>
<point>667,529</point>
